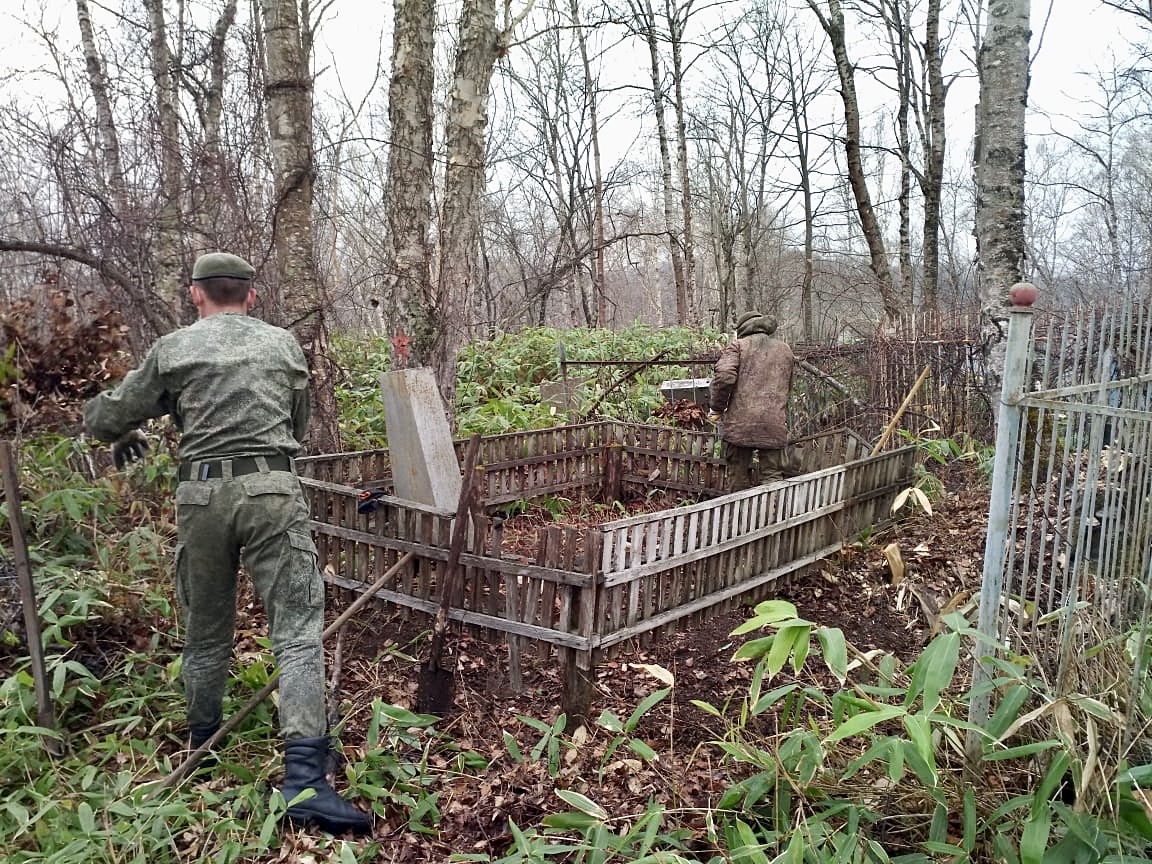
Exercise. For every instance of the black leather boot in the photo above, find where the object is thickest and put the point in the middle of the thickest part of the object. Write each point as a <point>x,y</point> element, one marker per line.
<point>197,735</point>
<point>304,762</point>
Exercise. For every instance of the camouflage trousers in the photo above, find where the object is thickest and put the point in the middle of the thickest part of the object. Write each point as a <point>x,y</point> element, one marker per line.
<point>263,516</point>
<point>744,471</point>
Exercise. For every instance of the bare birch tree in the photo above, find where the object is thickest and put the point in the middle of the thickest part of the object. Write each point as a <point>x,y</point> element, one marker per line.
<point>118,229</point>
<point>287,45</point>
<point>129,224</point>
<point>917,81</point>
<point>832,23</point>
<point>167,250</point>
<point>206,199</point>
<point>930,117</point>
<point>1002,63</point>
<point>896,19</point>
<point>554,115</point>
<point>739,135</point>
<point>1102,141</point>
<point>97,82</point>
<point>193,175</point>
<point>480,44</point>
<point>642,21</point>
<point>1102,155</point>
<point>804,85</point>
<point>676,16</point>
<point>407,283</point>
<point>591,90</point>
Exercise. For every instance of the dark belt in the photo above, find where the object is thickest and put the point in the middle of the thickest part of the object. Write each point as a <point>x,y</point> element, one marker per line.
<point>209,469</point>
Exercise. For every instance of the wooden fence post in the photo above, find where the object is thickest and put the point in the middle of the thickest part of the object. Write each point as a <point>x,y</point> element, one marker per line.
<point>613,471</point>
<point>580,672</point>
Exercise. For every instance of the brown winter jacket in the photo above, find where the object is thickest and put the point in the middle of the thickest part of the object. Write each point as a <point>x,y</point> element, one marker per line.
<point>750,386</point>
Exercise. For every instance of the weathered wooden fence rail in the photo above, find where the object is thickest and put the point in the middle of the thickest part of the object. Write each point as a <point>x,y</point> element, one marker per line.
<point>588,590</point>
<point>656,569</point>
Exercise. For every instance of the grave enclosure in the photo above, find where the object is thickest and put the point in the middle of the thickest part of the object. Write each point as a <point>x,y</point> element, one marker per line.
<point>590,590</point>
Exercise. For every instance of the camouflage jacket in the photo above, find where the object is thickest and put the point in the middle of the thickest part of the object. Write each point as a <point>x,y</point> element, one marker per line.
<point>750,386</point>
<point>234,385</point>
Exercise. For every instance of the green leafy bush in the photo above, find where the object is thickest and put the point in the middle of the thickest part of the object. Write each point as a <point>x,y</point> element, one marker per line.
<point>877,771</point>
<point>510,368</point>
<point>498,380</point>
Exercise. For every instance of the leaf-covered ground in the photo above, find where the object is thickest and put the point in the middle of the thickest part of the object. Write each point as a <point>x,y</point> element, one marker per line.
<point>885,592</point>
<point>856,591</point>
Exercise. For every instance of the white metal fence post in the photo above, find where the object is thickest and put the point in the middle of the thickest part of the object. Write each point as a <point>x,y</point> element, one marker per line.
<point>1017,350</point>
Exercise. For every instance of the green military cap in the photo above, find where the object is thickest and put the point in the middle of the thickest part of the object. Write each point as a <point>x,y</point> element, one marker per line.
<point>215,265</point>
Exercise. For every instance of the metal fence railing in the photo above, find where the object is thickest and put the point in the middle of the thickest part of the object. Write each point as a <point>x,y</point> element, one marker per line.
<point>1068,555</point>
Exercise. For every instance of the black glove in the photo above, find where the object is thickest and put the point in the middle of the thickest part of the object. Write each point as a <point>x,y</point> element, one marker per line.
<point>368,500</point>
<point>129,447</point>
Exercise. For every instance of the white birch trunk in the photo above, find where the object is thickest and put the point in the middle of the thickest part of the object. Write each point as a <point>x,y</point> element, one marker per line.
<point>599,286</point>
<point>933,143</point>
<point>676,18</point>
<point>206,203</point>
<point>646,20</point>
<point>1002,63</point>
<point>465,138</point>
<point>167,250</point>
<point>109,139</point>
<point>802,133</point>
<point>833,26</point>
<point>407,285</point>
<point>288,109</point>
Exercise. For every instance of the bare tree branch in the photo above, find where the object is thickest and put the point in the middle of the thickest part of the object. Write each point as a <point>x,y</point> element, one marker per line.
<point>71,253</point>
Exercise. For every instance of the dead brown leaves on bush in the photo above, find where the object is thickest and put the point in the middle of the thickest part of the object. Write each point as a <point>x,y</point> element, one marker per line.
<point>683,413</point>
<point>53,357</point>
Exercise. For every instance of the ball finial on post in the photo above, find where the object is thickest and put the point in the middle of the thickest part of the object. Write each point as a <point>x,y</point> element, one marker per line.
<point>1022,294</point>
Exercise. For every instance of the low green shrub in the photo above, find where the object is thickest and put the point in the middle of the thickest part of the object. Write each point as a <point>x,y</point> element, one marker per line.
<point>498,380</point>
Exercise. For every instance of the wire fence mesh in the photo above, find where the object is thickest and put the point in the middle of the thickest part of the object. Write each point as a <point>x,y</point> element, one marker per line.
<point>859,385</point>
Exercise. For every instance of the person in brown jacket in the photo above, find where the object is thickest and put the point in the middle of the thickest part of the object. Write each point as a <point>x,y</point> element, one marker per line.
<point>749,392</point>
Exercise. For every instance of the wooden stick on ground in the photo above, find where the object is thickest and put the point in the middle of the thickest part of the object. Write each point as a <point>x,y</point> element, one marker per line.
<point>45,715</point>
<point>900,411</point>
<point>199,753</point>
<point>334,679</point>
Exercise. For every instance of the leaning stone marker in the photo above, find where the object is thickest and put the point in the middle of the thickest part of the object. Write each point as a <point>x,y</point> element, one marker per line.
<point>424,464</point>
<point>563,396</point>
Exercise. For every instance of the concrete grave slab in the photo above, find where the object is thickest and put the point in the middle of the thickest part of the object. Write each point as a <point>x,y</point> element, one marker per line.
<point>424,464</point>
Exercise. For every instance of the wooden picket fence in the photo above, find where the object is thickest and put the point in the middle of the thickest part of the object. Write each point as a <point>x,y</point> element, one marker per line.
<point>590,590</point>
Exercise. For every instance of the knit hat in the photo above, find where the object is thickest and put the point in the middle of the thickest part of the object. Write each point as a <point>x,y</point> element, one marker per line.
<point>754,322</point>
<point>216,265</point>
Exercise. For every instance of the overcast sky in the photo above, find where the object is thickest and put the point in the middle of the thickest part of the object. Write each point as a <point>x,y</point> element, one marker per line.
<point>1071,40</point>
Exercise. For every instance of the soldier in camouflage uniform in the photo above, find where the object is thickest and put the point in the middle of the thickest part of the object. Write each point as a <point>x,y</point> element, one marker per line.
<point>749,391</point>
<point>237,389</point>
